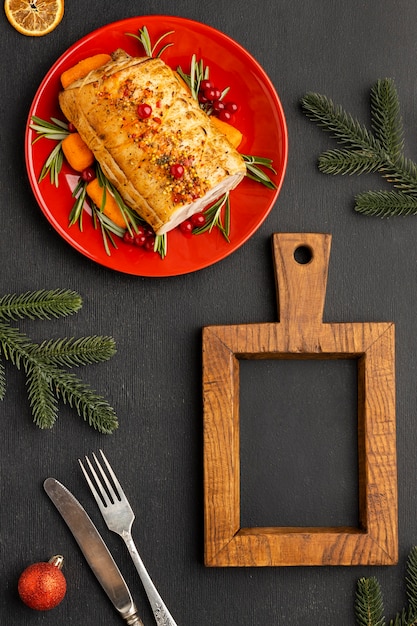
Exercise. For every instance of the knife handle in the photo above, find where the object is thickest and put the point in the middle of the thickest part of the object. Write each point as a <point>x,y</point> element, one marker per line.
<point>133,619</point>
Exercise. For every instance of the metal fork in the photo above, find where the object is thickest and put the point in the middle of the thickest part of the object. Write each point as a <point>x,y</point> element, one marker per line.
<point>119,518</point>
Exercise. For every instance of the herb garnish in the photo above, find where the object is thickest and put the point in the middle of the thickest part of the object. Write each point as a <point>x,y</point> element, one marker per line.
<point>380,150</point>
<point>217,215</point>
<point>43,363</point>
<point>145,40</point>
<point>56,130</point>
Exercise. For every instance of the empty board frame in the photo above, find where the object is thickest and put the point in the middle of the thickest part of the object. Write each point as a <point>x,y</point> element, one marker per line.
<point>300,333</point>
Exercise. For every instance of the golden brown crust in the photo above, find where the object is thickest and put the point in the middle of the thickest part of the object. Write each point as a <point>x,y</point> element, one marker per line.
<point>136,154</point>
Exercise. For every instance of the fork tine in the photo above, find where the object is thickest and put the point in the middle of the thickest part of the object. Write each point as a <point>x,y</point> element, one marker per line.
<point>113,495</point>
<point>93,489</point>
<point>119,490</point>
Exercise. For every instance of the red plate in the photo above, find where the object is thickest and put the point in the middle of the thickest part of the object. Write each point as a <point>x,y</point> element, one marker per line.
<point>260,118</point>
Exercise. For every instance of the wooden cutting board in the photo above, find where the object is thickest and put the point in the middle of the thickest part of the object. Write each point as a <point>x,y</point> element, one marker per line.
<point>301,269</point>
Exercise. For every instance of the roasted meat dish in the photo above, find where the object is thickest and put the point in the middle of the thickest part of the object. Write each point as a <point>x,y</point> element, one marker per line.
<point>151,139</point>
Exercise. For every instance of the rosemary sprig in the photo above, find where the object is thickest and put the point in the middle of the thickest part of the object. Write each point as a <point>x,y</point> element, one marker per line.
<point>43,363</point>
<point>77,211</point>
<point>217,215</point>
<point>145,40</point>
<point>254,172</point>
<point>378,150</point>
<point>57,131</point>
<point>161,245</point>
<point>198,72</point>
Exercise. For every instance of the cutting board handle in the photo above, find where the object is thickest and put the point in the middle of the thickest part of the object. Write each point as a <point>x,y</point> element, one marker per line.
<point>301,262</point>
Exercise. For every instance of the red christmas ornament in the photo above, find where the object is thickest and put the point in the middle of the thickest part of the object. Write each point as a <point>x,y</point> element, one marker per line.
<point>42,586</point>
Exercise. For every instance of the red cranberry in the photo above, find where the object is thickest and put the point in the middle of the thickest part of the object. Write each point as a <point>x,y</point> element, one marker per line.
<point>88,174</point>
<point>198,219</point>
<point>140,240</point>
<point>225,116</point>
<point>144,111</point>
<point>149,244</point>
<point>206,84</point>
<point>219,106</point>
<point>212,93</point>
<point>186,227</point>
<point>232,107</point>
<point>177,170</point>
<point>128,237</point>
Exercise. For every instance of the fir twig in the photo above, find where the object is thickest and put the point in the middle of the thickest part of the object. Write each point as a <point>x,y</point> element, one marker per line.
<point>75,352</point>
<point>43,363</point>
<point>365,151</point>
<point>369,606</point>
<point>2,381</point>
<point>411,580</point>
<point>386,203</point>
<point>42,304</point>
<point>386,118</point>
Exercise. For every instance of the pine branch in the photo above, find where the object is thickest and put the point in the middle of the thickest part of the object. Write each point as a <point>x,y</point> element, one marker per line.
<point>386,118</point>
<point>411,580</point>
<point>39,304</point>
<point>381,151</point>
<point>386,203</point>
<point>2,381</point>
<point>74,352</point>
<point>349,162</point>
<point>46,380</point>
<point>92,407</point>
<point>369,607</point>
<point>402,174</point>
<point>404,618</point>
<point>335,120</point>
<point>41,398</point>
<point>13,344</point>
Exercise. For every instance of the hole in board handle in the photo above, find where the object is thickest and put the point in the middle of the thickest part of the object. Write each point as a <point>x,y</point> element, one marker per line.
<point>303,255</point>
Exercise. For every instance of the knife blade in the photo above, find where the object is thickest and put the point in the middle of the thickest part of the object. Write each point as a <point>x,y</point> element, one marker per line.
<point>94,549</point>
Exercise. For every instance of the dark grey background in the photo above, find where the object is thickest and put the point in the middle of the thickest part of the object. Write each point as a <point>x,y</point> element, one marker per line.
<point>154,382</point>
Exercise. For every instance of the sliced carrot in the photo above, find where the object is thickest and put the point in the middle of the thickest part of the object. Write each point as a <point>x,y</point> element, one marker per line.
<point>84,67</point>
<point>77,153</point>
<point>232,133</point>
<point>110,208</point>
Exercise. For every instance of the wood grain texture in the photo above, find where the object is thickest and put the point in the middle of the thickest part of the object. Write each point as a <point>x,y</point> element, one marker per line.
<point>301,334</point>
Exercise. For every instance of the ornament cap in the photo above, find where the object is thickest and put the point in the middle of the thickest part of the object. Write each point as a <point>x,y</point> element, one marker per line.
<point>57,560</point>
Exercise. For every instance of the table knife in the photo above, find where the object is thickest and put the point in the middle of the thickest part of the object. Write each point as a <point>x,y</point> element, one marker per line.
<point>94,549</point>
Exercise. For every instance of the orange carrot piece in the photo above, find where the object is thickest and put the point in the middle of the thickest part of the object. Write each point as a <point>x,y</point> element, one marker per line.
<point>232,133</point>
<point>84,67</point>
<point>110,208</point>
<point>77,153</point>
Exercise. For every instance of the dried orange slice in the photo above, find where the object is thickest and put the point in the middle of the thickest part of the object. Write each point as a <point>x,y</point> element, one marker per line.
<point>34,17</point>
